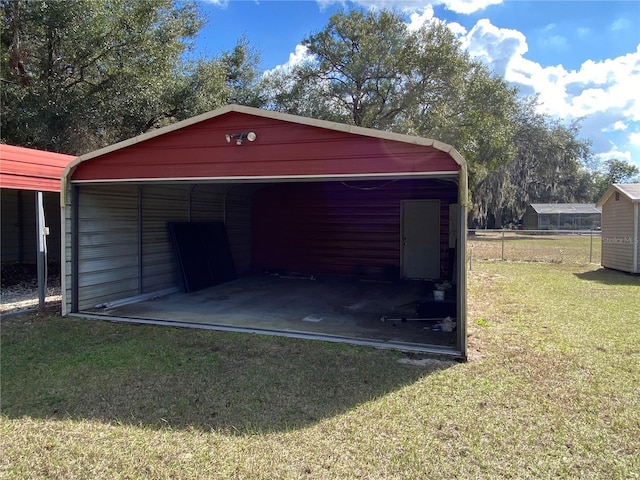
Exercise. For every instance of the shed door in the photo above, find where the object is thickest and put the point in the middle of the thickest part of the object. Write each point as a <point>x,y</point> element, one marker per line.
<point>421,239</point>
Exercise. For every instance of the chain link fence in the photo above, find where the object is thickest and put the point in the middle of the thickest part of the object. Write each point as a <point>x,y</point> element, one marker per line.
<point>550,246</point>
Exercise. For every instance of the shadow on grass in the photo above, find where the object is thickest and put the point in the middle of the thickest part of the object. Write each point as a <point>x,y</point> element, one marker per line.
<point>162,377</point>
<point>609,277</point>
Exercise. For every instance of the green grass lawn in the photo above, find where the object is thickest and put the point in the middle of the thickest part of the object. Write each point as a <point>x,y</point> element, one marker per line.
<point>551,390</point>
<point>548,247</point>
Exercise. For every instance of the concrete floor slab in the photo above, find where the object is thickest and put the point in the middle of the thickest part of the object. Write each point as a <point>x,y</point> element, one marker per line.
<point>335,306</point>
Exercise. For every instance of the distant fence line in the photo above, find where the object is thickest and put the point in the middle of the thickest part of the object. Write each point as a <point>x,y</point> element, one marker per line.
<point>551,246</point>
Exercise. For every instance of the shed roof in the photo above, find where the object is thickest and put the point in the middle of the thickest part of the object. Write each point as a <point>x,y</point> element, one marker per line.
<point>30,169</point>
<point>566,208</point>
<point>285,146</point>
<point>629,190</point>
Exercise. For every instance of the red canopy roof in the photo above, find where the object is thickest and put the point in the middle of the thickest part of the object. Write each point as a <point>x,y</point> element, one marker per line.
<point>29,169</point>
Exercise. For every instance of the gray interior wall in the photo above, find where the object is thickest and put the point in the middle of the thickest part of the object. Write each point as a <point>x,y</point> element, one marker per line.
<point>52,219</point>
<point>107,243</point>
<point>18,225</point>
<point>238,223</point>
<point>160,204</point>
<point>207,202</point>
<point>123,244</point>
<point>172,203</point>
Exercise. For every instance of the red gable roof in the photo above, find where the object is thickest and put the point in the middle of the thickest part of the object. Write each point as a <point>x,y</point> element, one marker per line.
<point>282,146</point>
<point>29,169</point>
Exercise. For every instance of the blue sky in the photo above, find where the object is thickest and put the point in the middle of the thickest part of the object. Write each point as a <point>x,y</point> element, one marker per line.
<point>581,57</point>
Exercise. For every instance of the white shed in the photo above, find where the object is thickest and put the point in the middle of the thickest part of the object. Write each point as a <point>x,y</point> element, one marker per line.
<point>621,227</point>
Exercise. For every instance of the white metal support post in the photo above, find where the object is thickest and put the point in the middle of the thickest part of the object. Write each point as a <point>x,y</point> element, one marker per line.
<point>42,232</point>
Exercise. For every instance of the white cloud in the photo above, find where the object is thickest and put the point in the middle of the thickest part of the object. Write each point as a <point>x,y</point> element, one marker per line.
<point>496,47</point>
<point>468,6</point>
<point>418,18</point>
<point>614,153</point>
<point>218,3</point>
<point>299,55</point>
<point>617,126</point>
<point>457,29</point>
<point>465,7</point>
<point>605,92</point>
<point>620,24</point>
<point>595,87</point>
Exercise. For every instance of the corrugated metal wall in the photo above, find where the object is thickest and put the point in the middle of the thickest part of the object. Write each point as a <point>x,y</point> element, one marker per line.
<point>68,263</point>
<point>124,247</point>
<point>159,205</point>
<point>18,228</point>
<point>617,233</point>
<point>341,227</point>
<point>238,214</point>
<point>107,243</point>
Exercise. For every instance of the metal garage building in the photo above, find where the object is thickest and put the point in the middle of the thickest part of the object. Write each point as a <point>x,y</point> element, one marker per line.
<point>326,229</point>
<point>621,227</point>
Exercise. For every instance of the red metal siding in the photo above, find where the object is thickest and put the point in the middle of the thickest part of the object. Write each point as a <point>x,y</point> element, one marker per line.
<point>340,228</point>
<point>280,149</point>
<point>29,169</point>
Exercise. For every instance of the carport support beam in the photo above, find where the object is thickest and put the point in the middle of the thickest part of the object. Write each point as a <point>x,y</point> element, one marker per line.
<point>41,259</point>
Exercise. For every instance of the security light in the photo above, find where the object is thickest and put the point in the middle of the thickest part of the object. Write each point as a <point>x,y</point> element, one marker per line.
<point>240,137</point>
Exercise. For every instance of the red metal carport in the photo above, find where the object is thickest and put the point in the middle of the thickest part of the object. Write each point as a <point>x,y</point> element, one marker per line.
<point>297,196</point>
<point>30,182</point>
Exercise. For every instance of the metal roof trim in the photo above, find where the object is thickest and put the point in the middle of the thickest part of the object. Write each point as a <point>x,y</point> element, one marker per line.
<point>629,190</point>
<point>280,178</point>
<point>30,169</point>
<point>565,208</point>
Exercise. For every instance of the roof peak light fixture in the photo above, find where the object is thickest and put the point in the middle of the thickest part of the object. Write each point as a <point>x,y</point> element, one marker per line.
<point>240,137</point>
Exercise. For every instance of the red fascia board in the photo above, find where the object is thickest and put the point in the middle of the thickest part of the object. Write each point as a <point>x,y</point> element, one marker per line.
<point>30,169</point>
<point>20,183</point>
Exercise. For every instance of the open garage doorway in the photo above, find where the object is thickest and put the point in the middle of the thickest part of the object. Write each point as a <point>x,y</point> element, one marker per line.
<point>344,244</point>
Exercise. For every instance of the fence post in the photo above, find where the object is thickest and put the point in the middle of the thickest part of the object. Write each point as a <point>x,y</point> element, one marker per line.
<point>503,244</point>
<point>591,246</point>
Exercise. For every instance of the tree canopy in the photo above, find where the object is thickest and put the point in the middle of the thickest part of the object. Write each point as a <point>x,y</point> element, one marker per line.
<point>368,69</point>
<point>84,74</point>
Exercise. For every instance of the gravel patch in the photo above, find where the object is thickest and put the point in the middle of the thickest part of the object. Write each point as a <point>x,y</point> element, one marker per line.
<point>19,287</point>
